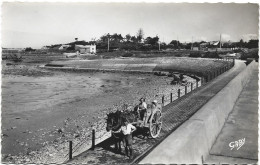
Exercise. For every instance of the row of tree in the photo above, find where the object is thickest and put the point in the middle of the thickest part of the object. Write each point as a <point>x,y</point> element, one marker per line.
<point>129,42</point>
<point>138,42</point>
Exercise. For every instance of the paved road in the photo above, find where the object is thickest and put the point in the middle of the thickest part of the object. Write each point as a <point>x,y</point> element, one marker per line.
<point>242,124</point>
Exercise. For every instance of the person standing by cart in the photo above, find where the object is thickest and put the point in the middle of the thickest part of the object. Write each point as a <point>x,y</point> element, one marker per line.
<point>152,109</point>
<point>142,107</point>
<point>127,129</point>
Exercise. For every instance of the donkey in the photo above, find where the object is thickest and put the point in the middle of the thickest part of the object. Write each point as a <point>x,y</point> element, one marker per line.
<point>114,122</point>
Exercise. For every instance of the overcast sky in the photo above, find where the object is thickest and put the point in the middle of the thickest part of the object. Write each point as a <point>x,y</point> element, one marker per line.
<point>38,24</point>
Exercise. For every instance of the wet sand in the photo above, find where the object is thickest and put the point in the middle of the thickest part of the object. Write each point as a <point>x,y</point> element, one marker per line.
<point>47,110</point>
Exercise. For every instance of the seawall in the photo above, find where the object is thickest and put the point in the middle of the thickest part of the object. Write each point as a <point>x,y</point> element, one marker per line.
<point>199,66</point>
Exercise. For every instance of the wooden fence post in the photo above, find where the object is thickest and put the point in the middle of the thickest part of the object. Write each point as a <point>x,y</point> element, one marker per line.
<point>171,97</point>
<point>93,139</point>
<point>185,89</point>
<point>70,150</point>
<point>163,100</point>
<point>179,93</point>
<point>197,83</point>
<point>191,86</point>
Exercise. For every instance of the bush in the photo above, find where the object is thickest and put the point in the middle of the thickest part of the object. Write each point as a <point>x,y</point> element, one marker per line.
<point>128,54</point>
<point>250,54</point>
<point>195,54</point>
<point>211,55</point>
<point>178,54</point>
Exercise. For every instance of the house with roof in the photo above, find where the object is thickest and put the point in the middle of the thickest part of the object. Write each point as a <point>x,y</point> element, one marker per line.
<point>86,49</point>
<point>45,47</point>
<point>215,43</point>
<point>204,46</point>
<point>64,47</point>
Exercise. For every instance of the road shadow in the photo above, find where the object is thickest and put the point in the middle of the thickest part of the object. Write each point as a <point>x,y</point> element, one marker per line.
<point>106,153</point>
<point>109,144</point>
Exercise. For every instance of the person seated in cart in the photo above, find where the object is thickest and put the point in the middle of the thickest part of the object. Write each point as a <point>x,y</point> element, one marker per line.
<point>141,109</point>
<point>127,129</point>
<point>150,110</point>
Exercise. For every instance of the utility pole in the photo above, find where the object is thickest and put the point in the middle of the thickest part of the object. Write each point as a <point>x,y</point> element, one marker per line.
<point>177,42</point>
<point>108,42</point>
<point>220,41</point>
<point>158,41</point>
<point>192,43</point>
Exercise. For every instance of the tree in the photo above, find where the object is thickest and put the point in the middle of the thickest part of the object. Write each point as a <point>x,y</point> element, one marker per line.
<point>151,40</point>
<point>134,39</point>
<point>175,43</point>
<point>140,35</point>
<point>104,38</point>
<point>28,49</point>
<point>252,44</point>
<point>116,37</point>
<point>128,37</point>
<point>241,43</point>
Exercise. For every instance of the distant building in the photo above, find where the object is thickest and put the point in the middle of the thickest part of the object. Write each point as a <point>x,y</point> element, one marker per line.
<point>204,46</point>
<point>12,53</point>
<point>215,44</point>
<point>85,49</point>
<point>64,47</point>
<point>55,47</point>
<point>195,48</point>
<point>45,48</point>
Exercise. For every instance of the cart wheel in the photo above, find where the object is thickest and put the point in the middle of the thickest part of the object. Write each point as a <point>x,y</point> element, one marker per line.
<point>155,124</point>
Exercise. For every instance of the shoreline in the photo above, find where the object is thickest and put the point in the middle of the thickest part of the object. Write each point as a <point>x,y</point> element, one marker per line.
<point>69,127</point>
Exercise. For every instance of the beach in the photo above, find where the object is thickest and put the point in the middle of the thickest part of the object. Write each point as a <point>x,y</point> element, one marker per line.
<point>43,109</point>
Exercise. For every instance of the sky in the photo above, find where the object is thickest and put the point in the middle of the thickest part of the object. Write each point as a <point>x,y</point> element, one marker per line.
<point>39,24</point>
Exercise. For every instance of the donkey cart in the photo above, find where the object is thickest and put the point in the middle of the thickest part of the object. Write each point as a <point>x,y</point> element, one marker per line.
<point>151,122</point>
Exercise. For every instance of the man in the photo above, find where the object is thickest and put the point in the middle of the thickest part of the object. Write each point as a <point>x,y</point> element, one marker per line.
<point>142,107</point>
<point>151,110</point>
<point>127,129</point>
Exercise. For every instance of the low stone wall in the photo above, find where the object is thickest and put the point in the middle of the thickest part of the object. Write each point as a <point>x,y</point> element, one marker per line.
<point>192,141</point>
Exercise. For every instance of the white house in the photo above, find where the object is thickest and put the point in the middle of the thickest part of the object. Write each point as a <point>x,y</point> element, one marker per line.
<point>85,49</point>
<point>64,47</point>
